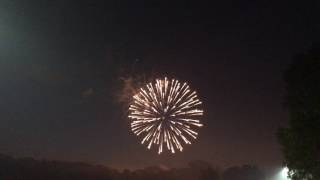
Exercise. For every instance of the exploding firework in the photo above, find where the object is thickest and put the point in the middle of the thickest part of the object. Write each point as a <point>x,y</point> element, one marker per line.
<point>165,113</point>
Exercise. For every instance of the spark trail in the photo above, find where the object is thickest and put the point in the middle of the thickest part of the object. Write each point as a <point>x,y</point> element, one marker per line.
<point>166,114</point>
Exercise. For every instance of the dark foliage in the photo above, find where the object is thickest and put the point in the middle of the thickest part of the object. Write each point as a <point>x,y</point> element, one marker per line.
<point>301,140</point>
<point>30,169</point>
<point>245,172</point>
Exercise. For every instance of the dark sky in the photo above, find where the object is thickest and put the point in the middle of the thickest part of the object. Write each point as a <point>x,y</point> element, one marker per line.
<point>61,63</point>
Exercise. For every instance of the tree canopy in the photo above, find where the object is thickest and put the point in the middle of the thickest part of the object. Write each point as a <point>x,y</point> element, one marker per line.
<point>301,139</point>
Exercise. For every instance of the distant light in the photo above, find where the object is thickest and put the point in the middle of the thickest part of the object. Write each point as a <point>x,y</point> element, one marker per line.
<point>284,173</point>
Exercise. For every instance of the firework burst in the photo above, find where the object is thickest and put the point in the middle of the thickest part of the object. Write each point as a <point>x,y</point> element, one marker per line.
<point>165,113</point>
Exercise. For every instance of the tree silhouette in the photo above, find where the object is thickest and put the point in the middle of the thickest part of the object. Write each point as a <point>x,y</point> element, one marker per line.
<point>31,169</point>
<point>245,172</point>
<point>301,139</point>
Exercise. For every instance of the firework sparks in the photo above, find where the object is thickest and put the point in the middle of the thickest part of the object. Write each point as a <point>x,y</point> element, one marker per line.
<point>165,114</point>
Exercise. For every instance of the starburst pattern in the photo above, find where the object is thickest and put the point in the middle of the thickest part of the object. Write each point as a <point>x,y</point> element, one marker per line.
<point>165,113</point>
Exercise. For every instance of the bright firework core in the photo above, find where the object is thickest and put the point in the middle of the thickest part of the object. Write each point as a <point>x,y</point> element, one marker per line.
<point>165,113</point>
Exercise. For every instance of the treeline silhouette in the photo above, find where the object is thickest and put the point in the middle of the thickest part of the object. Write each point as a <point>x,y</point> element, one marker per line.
<point>31,169</point>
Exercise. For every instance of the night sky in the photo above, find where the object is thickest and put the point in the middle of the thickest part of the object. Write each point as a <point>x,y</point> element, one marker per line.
<point>62,64</point>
